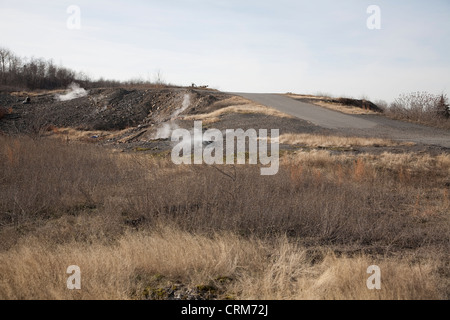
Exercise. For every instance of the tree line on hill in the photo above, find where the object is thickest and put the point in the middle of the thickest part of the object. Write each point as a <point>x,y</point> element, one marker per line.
<point>21,73</point>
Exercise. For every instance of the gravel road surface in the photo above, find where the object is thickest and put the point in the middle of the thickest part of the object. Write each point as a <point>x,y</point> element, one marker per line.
<point>360,125</point>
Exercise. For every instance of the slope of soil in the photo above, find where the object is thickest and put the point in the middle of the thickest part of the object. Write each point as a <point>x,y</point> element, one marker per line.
<point>101,109</point>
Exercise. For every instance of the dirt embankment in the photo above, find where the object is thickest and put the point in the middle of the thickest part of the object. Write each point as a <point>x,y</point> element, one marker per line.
<point>131,118</point>
<point>345,105</point>
<point>101,109</point>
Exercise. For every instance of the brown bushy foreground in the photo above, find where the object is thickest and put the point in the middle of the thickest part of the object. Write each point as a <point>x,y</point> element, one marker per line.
<point>137,225</point>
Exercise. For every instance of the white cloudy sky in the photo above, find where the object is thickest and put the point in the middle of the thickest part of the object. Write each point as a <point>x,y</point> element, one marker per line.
<point>239,45</point>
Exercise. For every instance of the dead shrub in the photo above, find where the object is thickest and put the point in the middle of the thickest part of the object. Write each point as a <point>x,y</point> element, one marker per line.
<point>57,196</point>
<point>421,107</point>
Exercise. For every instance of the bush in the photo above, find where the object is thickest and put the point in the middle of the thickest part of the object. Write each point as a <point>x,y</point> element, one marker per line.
<point>442,107</point>
<point>383,105</point>
<point>42,180</point>
<point>422,107</point>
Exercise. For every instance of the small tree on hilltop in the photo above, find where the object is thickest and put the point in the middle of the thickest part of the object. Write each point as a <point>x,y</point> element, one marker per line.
<point>442,107</point>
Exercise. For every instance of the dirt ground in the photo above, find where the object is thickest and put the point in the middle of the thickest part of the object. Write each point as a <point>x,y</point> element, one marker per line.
<point>128,119</point>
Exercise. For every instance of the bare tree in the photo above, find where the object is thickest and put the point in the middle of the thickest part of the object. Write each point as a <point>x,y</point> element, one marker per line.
<point>31,73</point>
<point>159,79</point>
<point>4,55</point>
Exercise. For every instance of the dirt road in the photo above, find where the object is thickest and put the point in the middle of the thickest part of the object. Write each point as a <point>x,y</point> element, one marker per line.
<point>360,125</point>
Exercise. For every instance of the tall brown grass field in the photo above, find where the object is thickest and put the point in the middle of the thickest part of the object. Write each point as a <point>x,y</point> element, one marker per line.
<point>137,224</point>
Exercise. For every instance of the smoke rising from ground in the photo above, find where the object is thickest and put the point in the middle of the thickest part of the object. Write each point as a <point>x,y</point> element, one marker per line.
<point>185,105</point>
<point>75,92</point>
<point>165,130</point>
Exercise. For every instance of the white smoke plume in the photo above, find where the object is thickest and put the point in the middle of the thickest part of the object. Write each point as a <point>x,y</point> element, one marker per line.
<point>75,92</point>
<point>184,106</point>
<point>165,130</point>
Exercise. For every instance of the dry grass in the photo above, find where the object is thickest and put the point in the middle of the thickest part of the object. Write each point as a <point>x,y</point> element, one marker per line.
<point>343,108</point>
<point>318,100</point>
<point>257,270</point>
<point>290,275</point>
<point>309,96</point>
<point>113,271</point>
<point>236,105</point>
<point>36,93</point>
<point>310,231</point>
<point>72,134</point>
<point>313,140</point>
<point>415,164</point>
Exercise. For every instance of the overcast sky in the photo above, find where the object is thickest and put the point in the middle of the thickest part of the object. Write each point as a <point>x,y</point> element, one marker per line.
<point>321,46</point>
